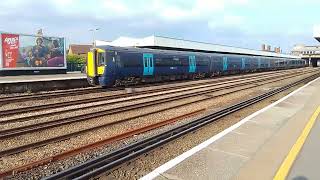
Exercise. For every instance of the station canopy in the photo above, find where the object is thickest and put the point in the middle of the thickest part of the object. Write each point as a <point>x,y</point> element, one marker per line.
<point>160,42</point>
<point>316,32</point>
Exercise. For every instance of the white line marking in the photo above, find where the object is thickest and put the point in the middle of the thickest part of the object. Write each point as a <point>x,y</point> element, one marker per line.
<point>230,153</point>
<point>168,165</point>
<point>240,133</point>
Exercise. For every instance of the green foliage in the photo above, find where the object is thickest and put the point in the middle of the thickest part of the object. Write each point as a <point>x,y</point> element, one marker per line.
<point>76,59</point>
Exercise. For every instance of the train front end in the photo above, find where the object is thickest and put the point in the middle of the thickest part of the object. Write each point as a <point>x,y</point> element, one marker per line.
<point>99,68</point>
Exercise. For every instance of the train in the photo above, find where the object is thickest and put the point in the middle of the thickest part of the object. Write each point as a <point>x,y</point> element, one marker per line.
<point>109,66</point>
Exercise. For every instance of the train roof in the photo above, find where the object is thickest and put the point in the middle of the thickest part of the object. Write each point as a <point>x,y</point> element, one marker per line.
<point>167,43</point>
<point>150,50</point>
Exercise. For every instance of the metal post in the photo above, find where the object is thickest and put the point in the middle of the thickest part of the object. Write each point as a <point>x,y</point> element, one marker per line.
<point>310,62</point>
<point>93,36</point>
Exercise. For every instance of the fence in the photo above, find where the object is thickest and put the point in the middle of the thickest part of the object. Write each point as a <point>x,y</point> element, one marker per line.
<point>75,67</point>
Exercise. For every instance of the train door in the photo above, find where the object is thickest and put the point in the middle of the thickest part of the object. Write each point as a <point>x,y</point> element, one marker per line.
<point>91,65</point>
<point>243,63</point>
<point>192,64</point>
<point>225,63</point>
<point>95,62</point>
<point>148,65</point>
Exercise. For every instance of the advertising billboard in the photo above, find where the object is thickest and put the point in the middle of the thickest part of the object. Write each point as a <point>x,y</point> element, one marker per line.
<point>32,52</point>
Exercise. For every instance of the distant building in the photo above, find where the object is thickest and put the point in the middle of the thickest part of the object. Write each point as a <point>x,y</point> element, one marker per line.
<point>265,47</point>
<point>79,49</point>
<point>310,53</point>
<point>305,51</point>
<point>277,50</point>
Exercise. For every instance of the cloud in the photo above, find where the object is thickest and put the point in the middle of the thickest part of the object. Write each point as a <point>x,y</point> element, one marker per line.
<point>240,2</point>
<point>233,20</point>
<point>230,22</point>
<point>170,10</point>
<point>316,30</point>
<point>237,22</point>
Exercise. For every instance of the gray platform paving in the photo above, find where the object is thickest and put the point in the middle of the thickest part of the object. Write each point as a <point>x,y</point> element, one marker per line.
<point>307,164</point>
<point>34,78</point>
<point>256,149</point>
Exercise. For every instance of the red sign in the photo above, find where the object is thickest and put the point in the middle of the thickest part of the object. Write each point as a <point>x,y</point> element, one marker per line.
<point>10,50</point>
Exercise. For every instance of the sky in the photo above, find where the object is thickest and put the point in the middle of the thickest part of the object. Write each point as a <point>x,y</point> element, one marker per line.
<point>240,23</point>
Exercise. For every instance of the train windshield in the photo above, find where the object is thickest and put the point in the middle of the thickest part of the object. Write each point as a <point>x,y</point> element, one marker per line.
<point>101,59</point>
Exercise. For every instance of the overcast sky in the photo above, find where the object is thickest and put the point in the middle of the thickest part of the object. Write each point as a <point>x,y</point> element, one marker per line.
<point>241,23</point>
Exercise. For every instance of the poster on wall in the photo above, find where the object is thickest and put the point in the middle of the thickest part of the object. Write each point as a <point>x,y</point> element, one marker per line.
<point>24,51</point>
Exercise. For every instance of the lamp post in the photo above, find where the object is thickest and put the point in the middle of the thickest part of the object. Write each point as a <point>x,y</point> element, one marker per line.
<point>93,35</point>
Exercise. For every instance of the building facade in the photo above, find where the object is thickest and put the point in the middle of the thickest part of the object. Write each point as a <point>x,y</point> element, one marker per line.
<point>79,49</point>
<point>310,53</point>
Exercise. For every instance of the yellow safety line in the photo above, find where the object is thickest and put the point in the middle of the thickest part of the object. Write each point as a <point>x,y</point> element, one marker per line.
<point>286,165</point>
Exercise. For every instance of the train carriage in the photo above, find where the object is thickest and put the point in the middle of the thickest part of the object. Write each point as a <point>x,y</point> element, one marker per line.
<point>114,66</point>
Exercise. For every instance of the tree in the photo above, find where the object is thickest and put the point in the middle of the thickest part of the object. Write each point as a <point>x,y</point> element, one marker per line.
<point>77,59</point>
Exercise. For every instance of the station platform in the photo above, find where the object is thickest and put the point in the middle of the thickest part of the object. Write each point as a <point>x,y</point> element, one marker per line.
<point>34,83</point>
<point>32,78</point>
<point>280,141</point>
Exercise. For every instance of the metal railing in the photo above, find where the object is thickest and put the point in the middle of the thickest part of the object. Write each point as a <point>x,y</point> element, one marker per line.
<point>75,67</point>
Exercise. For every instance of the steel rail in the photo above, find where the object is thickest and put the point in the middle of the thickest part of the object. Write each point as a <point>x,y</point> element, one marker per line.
<point>97,144</point>
<point>9,133</point>
<point>107,162</point>
<point>66,136</point>
<point>64,93</point>
<point>32,117</point>
<point>110,97</point>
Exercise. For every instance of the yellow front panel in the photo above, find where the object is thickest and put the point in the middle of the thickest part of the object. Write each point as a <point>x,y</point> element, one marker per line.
<point>101,70</point>
<point>100,50</point>
<point>91,67</point>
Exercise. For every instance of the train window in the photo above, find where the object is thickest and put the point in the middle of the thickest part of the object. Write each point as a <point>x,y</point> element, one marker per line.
<point>184,61</point>
<point>130,59</point>
<point>168,61</point>
<point>145,60</point>
<point>109,56</point>
<point>101,59</point>
<point>118,61</point>
<point>177,61</point>
<point>202,61</point>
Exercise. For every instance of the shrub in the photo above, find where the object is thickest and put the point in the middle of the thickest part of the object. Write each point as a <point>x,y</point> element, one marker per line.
<point>78,59</point>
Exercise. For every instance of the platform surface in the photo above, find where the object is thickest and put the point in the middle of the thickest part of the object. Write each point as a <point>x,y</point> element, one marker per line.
<point>34,78</point>
<point>255,147</point>
<point>306,165</point>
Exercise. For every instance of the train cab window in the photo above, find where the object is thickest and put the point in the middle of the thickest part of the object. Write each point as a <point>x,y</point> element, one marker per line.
<point>101,60</point>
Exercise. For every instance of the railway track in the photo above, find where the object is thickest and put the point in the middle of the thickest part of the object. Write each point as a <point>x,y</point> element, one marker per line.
<point>152,94</point>
<point>39,126</point>
<point>111,97</point>
<point>104,163</point>
<point>66,154</point>
<point>73,92</point>
<point>100,143</point>
<point>64,93</point>
<point>10,133</point>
